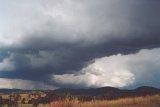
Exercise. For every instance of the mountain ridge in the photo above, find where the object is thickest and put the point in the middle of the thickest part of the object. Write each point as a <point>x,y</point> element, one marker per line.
<point>142,88</point>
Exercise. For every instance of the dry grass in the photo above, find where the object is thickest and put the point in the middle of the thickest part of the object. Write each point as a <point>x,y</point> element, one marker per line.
<point>148,101</point>
<point>23,95</point>
<point>30,105</point>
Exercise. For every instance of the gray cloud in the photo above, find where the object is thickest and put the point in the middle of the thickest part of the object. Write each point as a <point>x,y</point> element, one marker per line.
<point>23,84</point>
<point>73,21</point>
<point>117,71</point>
<point>46,38</point>
<point>7,64</point>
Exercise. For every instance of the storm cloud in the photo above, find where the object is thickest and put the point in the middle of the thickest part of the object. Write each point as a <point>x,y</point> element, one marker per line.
<point>42,39</point>
<point>118,71</point>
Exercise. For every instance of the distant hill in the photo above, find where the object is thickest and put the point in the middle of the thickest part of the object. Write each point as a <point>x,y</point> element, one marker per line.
<point>147,88</point>
<point>9,91</point>
<point>101,93</point>
<point>90,91</point>
<point>107,92</point>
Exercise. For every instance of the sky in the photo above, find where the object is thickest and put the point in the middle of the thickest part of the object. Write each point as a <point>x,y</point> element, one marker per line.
<point>50,44</point>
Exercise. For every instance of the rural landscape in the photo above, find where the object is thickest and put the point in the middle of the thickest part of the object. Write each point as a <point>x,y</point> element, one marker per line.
<point>79,53</point>
<point>98,97</point>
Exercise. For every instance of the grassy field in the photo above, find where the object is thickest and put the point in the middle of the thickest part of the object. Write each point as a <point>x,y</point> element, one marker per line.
<point>149,101</point>
<point>30,105</point>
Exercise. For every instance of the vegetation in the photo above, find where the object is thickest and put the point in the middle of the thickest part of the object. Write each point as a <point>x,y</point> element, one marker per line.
<point>100,97</point>
<point>148,101</point>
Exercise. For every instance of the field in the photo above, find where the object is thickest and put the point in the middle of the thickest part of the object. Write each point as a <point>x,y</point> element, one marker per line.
<point>148,101</point>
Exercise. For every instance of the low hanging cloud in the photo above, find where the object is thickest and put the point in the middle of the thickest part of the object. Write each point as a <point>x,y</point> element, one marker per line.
<point>118,70</point>
<point>23,84</point>
<point>7,64</point>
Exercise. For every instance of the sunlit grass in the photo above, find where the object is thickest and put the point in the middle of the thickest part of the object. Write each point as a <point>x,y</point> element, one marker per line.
<point>30,105</point>
<point>148,101</point>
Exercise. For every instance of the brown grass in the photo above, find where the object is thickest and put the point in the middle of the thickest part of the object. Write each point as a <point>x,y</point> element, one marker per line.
<point>148,101</point>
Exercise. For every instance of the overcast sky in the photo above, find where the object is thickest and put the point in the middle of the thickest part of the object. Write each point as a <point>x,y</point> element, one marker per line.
<point>49,44</point>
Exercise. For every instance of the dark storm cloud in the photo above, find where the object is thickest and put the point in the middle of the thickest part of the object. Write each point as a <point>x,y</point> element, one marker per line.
<point>68,58</point>
<point>64,37</point>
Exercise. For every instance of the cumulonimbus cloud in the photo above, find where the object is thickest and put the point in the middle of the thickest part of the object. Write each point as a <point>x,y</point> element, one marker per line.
<point>118,71</point>
<point>42,38</point>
